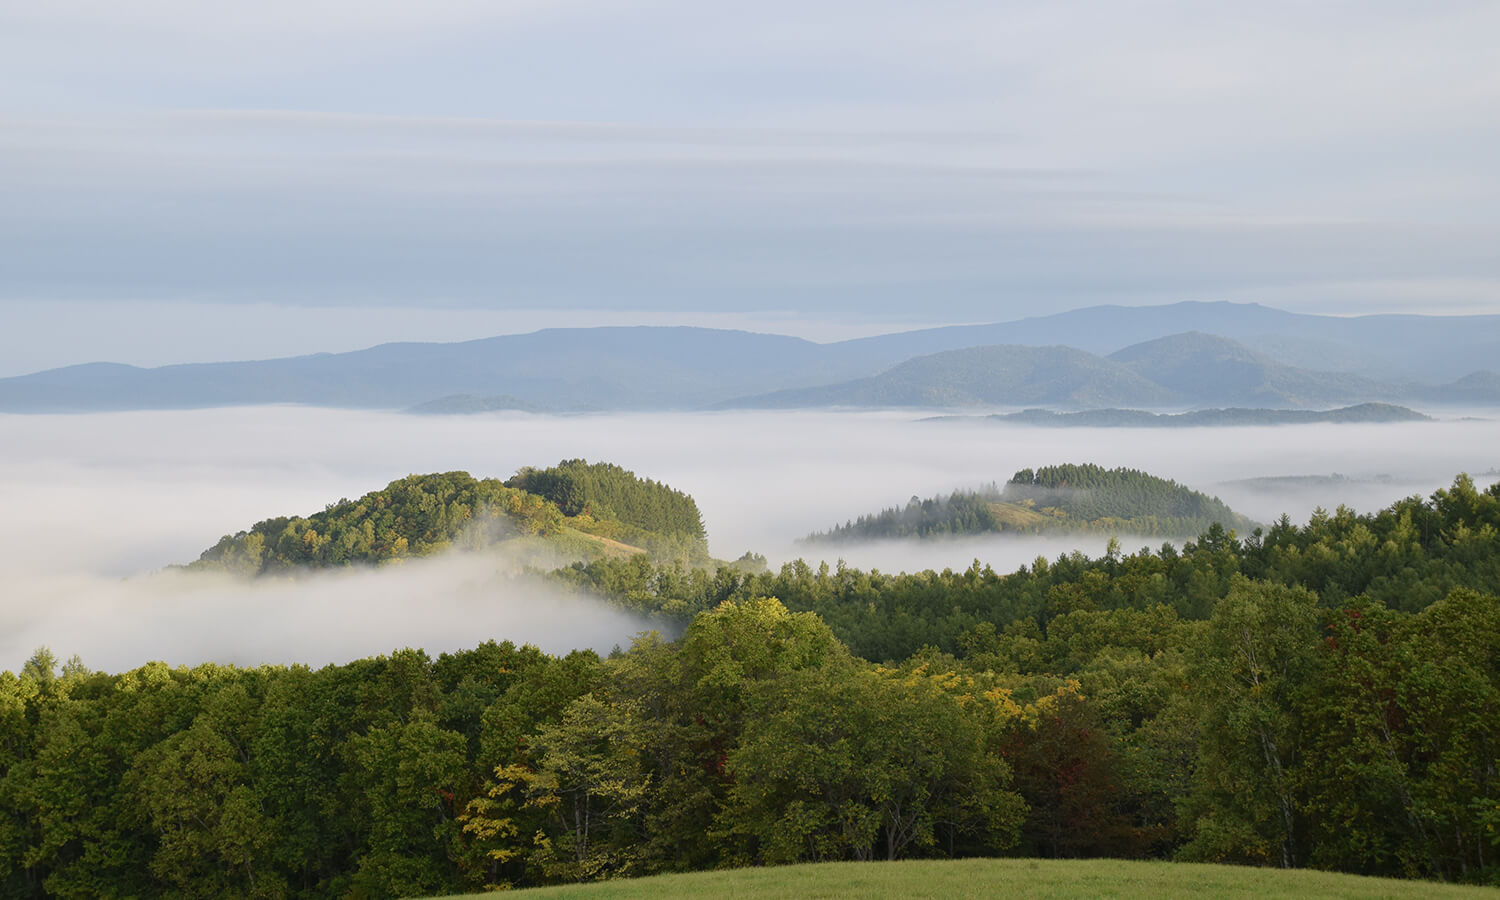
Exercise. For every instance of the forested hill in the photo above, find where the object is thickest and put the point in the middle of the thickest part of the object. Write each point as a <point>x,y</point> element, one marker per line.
<point>582,509</point>
<point>1054,498</point>
<point>1132,498</point>
<point>1363,413</point>
<point>606,491</point>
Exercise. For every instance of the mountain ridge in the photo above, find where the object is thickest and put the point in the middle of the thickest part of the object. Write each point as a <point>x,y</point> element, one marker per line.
<point>689,367</point>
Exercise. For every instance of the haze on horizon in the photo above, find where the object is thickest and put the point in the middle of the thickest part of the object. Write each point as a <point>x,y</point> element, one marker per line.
<point>186,183</point>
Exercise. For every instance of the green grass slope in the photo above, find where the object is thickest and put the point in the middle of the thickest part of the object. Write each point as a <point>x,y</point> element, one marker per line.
<point>1039,879</point>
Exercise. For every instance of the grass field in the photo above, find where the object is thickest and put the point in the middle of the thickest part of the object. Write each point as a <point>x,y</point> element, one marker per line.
<point>1023,878</point>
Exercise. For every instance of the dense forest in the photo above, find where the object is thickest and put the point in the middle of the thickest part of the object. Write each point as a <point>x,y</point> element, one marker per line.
<point>606,491</point>
<point>425,514</point>
<point>1053,498</point>
<point>1324,695</point>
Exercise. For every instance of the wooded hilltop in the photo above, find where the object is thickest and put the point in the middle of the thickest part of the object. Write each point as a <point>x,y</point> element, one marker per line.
<point>1058,498</point>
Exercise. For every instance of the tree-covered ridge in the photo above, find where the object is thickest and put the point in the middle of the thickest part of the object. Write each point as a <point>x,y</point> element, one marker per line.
<point>1325,696</point>
<point>1053,498</point>
<point>1405,557</point>
<point>1198,418</point>
<point>962,512</point>
<point>413,516</point>
<point>408,776</point>
<point>425,514</point>
<point>607,491</point>
<point>1141,503</point>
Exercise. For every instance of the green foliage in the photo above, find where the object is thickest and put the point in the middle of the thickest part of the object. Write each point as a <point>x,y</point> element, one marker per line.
<point>1323,696</point>
<point>1121,499</point>
<point>415,516</point>
<point>1054,498</point>
<point>606,491</point>
<point>421,515</point>
<point>1262,651</point>
<point>841,761</point>
<point>962,512</point>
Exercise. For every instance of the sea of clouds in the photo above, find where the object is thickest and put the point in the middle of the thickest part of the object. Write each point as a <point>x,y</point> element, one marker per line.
<point>96,506</point>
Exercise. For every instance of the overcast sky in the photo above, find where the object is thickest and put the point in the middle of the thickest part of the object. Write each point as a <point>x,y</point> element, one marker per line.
<point>182,181</point>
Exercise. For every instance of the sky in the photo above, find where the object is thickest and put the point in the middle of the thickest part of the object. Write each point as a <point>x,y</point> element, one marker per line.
<point>183,181</point>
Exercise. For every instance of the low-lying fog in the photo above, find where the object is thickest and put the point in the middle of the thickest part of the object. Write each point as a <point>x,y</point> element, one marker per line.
<point>94,503</point>
<point>452,603</point>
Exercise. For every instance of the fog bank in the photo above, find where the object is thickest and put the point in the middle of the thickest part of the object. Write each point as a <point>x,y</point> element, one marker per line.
<point>443,604</point>
<point>92,499</point>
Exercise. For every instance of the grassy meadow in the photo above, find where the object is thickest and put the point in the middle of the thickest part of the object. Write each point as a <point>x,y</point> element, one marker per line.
<point>1023,878</point>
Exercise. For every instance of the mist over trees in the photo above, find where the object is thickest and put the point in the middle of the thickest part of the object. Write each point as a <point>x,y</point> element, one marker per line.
<point>1058,498</point>
<point>1320,695</point>
<point>606,491</point>
<point>422,515</point>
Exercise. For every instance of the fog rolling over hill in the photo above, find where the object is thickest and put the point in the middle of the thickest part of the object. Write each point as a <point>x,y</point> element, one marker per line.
<point>1186,354</point>
<point>174,482</point>
<point>1064,498</point>
<point>542,518</point>
<point>332,616</point>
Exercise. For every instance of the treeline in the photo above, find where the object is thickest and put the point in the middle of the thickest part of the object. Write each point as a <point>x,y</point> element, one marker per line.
<point>962,512</point>
<point>606,491</point>
<point>1093,493</point>
<point>425,514</point>
<point>1053,498</point>
<point>1325,695</point>
<point>1405,557</point>
<point>1197,418</point>
<point>415,516</point>
<point>757,738</point>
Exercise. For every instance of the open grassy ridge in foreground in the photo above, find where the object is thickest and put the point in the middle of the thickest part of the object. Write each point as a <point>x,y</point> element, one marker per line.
<point>1030,878</point>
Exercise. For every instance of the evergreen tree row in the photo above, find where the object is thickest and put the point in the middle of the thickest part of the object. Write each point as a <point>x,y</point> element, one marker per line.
<point>1091,492</point>
<point>607,491</point>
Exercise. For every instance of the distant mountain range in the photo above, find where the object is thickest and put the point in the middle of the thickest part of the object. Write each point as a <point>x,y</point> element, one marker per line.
<point>1364,413</point>
<point>1182,355</point>
<point>1181,370</point>
<point>985,376</point>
